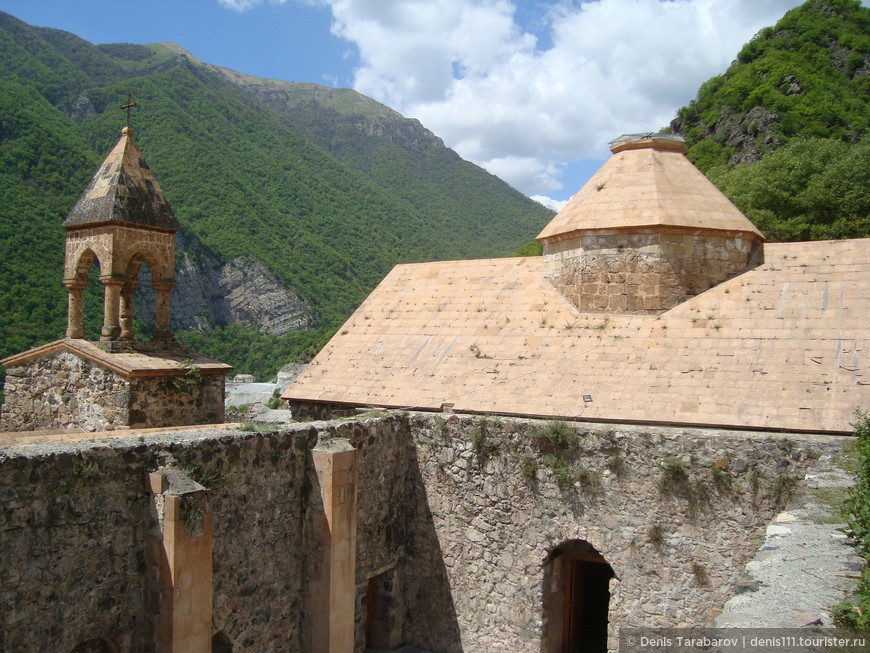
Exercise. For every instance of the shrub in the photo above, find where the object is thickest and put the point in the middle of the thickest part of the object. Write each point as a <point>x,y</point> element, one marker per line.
<point>558,432</point>
<point>854,612</point>
<point>656,535</point>
<point>528,465</point>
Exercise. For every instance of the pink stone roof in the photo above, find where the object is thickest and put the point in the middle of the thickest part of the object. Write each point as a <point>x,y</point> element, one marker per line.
<point>648,184</point>
<point>785,345</point>
<point>167,362</point>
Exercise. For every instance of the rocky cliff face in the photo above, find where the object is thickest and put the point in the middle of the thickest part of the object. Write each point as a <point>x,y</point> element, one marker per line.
<point>210,293</point>
<point>746,133</point>
<point>257,298</point>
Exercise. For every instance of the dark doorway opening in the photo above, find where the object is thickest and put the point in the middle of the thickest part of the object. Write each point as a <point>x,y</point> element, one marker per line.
<point>220,643</point>
<point>576,599</point>
<point>93,646</point>
<point>383,616</point>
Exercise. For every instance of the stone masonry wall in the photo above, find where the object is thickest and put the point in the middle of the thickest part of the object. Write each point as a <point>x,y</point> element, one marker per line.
<point>676,512</point>
<point>76,522</point>
<point>642,272</point>
<point>457,517</point>
<point>73,528</point>
<point>64,391</point>
<point>388,484</point>
<point>164,401</point>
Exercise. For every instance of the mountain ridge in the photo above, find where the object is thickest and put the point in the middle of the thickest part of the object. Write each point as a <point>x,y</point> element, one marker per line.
<point>247,182</point>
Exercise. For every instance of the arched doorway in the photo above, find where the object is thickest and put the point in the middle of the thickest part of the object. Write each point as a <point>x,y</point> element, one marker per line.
<point>93,646</point>
<point>220,643</point>
<point>576,599</point>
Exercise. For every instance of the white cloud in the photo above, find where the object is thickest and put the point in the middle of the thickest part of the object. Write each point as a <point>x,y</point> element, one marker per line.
<point>485,85</point>
<point>549,202</point>
<point>244,5</point>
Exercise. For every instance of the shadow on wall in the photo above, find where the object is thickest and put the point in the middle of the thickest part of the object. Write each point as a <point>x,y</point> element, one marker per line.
<point>430,617</point>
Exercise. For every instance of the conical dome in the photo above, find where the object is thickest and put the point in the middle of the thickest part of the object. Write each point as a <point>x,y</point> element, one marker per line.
<point>647,232</point>
<point>648,183</point>
<point>123,191</point>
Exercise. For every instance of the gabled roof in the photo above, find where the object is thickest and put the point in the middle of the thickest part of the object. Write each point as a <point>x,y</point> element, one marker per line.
<point>785,345</point>
<point>648,183</point>
<point>123,191</point>
<point>128,364</point>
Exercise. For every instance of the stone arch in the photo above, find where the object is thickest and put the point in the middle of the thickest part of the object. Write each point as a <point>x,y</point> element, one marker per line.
<point>161,262</point>
<point>132,281</point>
<point>78,267</point>
<point>96,645</point>
<point>83,263</point>
<point>79,248</point>
<point>576,599</point>
<point>158,251</point>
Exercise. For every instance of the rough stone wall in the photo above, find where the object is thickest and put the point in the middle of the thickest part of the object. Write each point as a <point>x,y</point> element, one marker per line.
<point>642,272</point>
<point>457,518</point>
<point>164,401</point>
<point>64,391</point>
<point>76,522</point>
<point>676,512</point>
<point>259,498</point>
<point>73,529</point>
<point>386,517</point>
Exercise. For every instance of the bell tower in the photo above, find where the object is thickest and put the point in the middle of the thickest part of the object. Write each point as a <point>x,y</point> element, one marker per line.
<point>121,221</point>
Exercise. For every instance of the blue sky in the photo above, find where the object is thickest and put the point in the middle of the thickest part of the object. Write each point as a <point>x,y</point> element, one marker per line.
<point>532,90</point>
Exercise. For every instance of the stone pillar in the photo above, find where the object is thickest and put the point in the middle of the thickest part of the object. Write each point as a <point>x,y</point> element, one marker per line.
<point>334,596</point>
<point>162,291</point>
<point>75,310</point>
<point>126,312</point>
<point>111,309</point>
<point>184,559</point>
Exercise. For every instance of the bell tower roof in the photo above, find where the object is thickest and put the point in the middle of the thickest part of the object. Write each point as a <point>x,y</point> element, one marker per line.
<point>124,191</point>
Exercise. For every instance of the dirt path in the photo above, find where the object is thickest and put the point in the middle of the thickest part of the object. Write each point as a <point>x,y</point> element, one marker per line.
<point>805,564</point>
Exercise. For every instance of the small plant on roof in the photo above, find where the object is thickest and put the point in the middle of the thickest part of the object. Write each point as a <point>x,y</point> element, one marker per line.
<point>191,375</point>
<point>475,349</point>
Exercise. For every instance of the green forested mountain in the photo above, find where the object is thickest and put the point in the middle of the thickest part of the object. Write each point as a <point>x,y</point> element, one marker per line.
<point>783,131</point>
<point>328,189</point>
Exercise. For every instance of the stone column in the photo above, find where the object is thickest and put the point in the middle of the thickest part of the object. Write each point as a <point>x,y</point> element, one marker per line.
<point>162,291</point>
<point>75,310</point>
<point>126,312</point>
<point>184,559</point>
<point>111,308</point>
<point>334,596</point>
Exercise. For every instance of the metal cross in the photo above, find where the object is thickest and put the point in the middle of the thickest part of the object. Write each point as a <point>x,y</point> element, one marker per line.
<point>130,104</point>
